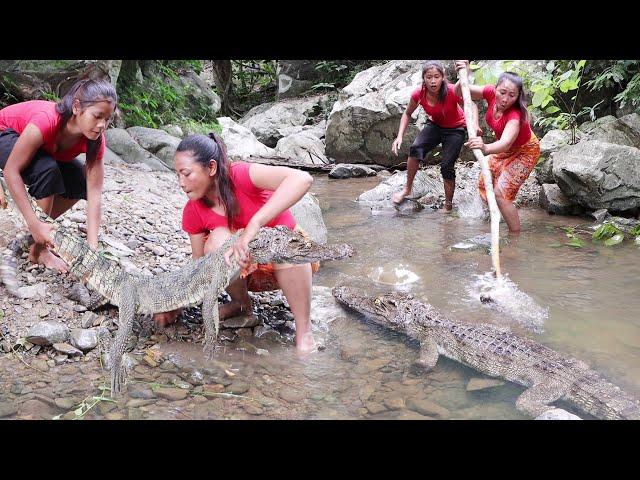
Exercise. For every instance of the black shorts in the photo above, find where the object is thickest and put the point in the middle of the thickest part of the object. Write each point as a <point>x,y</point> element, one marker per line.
<point>451,139</point>
<point>44,175</point>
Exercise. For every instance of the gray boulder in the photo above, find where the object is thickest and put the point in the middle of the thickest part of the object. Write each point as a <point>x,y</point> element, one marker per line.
<point>598,175</point>
<point>267,120</point>
<point>350,170</point>
<point>158,142</point>
<point>308,215</point>
<point>123,145</point>
<point>613,130</point>
<point>84,339</point>
<point>296,77</point>
<point>304,147</point>
<point>47,333</point>
<point>553,201</point>
<point>425,182</point>
<point>553,141</point>
<point>241,143</point>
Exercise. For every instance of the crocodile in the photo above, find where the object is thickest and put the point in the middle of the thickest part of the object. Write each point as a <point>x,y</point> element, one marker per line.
<point>547,375</point>
<point>200,280</point>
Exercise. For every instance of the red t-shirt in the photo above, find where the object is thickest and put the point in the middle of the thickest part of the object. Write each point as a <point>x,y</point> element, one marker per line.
<point>43,115</point>
<point>197,217</point>
<point>489,94</point>
<point>445,115</point>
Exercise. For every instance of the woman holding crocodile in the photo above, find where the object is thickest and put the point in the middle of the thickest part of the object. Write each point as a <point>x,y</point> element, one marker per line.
<point>39,143</point>
<point>225,197</point>
<point>513,156</point>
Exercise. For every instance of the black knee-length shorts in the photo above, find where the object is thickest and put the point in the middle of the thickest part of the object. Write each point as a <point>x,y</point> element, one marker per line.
<point>44,175</point>
<point>430,136</point>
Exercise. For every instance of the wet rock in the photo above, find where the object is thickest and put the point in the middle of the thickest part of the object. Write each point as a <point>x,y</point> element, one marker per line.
<point>553,201</point>
<point>172,394</point>
<point>351,170</point>
<point>90,319</point>
<point>7,408</point>
<point>240,321</point>
<point>67,349</point>
<point>291,395</point>
<point>47,333</point>
<point>140,391</point>
<point>40,364</point>
<point>38,410</point>
<point>557,414</point>
<point>213,389</point>
<point>32,291</point>
<point>374,408</point>
<point>365,393</point>
<point>84,339</point>
<point>237,388</point>
<point>65,403</point>
<point>17,387</point>
<point>411,415</point>
<point>427,407</point>
<point>253,409</point>
<point>114,416</point>
<point>139,402</point>
<point>394,403</point>
<point>483,384</point>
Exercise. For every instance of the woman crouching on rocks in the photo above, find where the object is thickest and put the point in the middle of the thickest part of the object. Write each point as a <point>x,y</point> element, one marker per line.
<point>39,143</point>
<point>225,197</point>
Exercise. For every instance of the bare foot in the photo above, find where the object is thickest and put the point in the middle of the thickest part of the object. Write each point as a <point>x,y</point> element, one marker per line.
<point>448,207</point>
<point>234,309</point>
<point>166,318</point>
<point>305,344</point>
<point>398,197</point>
<point>47,258</point>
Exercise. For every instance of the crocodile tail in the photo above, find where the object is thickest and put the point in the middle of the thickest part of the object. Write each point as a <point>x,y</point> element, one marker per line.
<point>9,265</point>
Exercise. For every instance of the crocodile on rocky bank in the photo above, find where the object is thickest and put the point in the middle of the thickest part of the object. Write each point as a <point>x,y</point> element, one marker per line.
<point>548,376</point>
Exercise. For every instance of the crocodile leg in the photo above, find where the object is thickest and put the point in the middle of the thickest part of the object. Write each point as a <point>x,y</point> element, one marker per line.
<point>536,400</point>
<point>210,319</point>
<point>127,310</point>
<point>428,354</point>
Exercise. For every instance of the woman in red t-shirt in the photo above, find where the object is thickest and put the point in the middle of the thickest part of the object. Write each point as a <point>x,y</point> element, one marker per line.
<point>513,156</point>
<point>446,126</point>
<point>225,197</point>
<point>39,143</point>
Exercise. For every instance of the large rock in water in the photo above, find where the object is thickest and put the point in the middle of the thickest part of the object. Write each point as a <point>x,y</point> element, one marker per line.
<point>598,175</point>
<point>32,79</point>
<point>240,142</point>
<point>303,146</point>
<point>425,182</point>
<point>130,151</point>
<point>309,216</point>
<point>268,120</point>
<point>553,201</point>
<point>553,141</point>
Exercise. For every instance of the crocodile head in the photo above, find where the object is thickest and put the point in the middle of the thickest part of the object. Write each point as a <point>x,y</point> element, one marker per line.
<point>280,244</point>
<point>386,309</point>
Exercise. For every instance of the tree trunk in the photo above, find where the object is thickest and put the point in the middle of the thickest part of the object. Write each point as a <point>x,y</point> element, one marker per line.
<point>222,76</point>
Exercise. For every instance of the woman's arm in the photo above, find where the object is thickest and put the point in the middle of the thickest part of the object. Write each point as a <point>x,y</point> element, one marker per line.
<point>28,143</point>
<point>197,244</point>
<point>95,180</point>
<point>288,186</point>
<point>509,135</point>
<point>404,123</point>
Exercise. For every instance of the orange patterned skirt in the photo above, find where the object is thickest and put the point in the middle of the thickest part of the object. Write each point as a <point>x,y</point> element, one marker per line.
<point>510,169</point>
<point>262,278</point>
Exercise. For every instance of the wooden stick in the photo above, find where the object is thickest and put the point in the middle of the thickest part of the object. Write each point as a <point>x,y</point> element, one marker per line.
<point>486,173</point>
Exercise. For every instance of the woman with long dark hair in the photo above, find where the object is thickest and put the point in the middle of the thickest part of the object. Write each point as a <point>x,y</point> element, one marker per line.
<point>446,126</point>
<point>225,197</point>
<point>513,156</point>
<point>39,143</point>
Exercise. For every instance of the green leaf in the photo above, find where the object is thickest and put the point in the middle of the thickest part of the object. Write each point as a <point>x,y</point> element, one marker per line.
<point>539,97</point>
<point>616,239</point>
<point>552,109</point>
<point>575,242</point>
